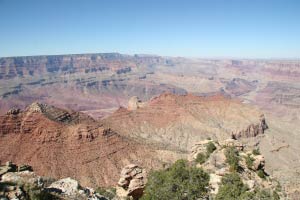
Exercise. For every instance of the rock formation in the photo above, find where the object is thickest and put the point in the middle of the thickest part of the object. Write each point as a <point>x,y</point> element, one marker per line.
<point>22,185</point>
<point>60,143</point>
<point>218,166</point>
<point>132,182</point>
<point>252,130</point>
<point>135,103</point>
<point>177,121</point>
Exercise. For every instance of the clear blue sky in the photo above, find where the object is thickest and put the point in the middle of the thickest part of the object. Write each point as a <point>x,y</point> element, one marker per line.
<point>195,28</point>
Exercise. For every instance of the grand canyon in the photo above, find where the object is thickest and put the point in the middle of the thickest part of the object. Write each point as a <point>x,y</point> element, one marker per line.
<point>87,116</point>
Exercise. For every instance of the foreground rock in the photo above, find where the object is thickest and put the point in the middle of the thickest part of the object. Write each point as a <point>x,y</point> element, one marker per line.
<point>251,167</point>
<point>23,185</point>
<point>132,182</point>
<point>70,188</point>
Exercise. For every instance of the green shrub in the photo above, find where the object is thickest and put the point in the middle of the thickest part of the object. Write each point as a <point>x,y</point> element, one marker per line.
<point>278,187</point>
<point>259,194</point>
<point>179,182</point>
<point>201,158</point>
<point>231,187</point>
<point>36,193</point>
<point>276,196</point>
<point>210,148</point>
<point>109,193</point>
<point>232,158</point>
<point>261,174</point>
<point>249,161</point>
<point>263,194</point>
<point>256,152</point>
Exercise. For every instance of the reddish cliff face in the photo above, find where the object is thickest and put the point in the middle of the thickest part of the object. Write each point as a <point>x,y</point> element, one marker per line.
<point>58,143</point>
<point>179,121</point>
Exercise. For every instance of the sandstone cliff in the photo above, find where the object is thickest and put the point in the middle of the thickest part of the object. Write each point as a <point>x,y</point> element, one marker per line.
<point>59,143</point>
<point>177,121</point>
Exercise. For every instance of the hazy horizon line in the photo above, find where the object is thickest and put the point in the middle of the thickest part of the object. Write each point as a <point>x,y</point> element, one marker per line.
<point>158,55</point>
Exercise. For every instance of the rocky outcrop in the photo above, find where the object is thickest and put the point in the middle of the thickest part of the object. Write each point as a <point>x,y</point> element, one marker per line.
<point>259,162</point>
<point>36,107</point>
<point>77,146</point>
<point>177,121</point>
<point>26,184</point>
<point>232,143</point>
<point>8,167</point>
<point>132,182</point>
<point>135,103</point>
<point>251,167</point>
<point>70,188</point>
<point>66,186</point>
<point>252,130</point>
<point>199,147</point>
<point>13,111</point>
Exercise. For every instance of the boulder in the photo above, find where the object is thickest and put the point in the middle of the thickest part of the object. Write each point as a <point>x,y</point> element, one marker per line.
<point>36,107</point>
<point>22,177</point>
<point>132,182</point>
<point>14,193</point>
<point>66,186</point>
<point>8,167</point>
<point>250,184</point>
<point>71,189</point>
<point>233,143</point>
<point>214,183</point>
<point>135,103</point>
<point>259,162</point>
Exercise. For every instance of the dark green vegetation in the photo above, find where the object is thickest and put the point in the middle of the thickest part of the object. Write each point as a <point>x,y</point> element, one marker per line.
<point>249,161</point>
<point>232,158</point>
<point>110,193</point>
<point>210,148</point>
<point>232,187</point>
<point>179,182</point>
<point>261,174</point>
<point>256,152</point>
<point>202,157</point>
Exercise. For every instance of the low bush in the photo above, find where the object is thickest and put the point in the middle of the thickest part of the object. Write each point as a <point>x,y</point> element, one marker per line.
<point>179,182</point>
<point>109,193</point>
<point>249,161</point>
<point>256,152</point>
<point>201,158</point>
<point>210,148</point>
<point>232,158</point>
<point>231,187</point>
<point>261,174</point>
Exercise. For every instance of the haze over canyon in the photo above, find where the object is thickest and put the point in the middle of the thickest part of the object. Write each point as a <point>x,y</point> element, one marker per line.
<point>87,116</point>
